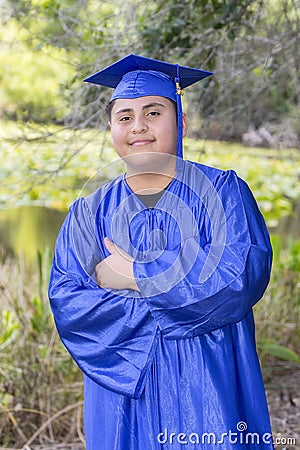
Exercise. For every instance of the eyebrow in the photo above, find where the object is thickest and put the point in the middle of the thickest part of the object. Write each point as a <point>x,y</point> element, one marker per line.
<point>149,105</point>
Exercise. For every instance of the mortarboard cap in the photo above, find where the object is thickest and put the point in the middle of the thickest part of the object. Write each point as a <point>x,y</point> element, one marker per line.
<point>136,76</point>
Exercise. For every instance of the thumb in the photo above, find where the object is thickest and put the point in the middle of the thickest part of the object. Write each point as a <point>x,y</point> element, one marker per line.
<point>115,249</point>
<point>111,247</point>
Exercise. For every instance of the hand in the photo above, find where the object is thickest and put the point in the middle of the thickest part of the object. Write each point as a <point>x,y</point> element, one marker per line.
<point>116,271</point>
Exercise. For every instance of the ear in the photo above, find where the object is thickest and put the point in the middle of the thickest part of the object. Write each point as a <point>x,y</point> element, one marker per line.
<point>185,124</point>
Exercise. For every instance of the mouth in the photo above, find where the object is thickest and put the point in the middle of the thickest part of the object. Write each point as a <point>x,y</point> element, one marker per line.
<point>141,142</point>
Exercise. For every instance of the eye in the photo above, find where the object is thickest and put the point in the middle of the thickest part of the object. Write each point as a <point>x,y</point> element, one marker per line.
<point>124,118</point>
<point>153,113</point>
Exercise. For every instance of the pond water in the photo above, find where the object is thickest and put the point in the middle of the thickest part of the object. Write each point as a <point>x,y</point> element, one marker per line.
<point>28,229</point>
<point>290,225</point>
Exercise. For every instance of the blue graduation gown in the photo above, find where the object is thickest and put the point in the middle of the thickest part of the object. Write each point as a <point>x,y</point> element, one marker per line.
<point>174,366</point>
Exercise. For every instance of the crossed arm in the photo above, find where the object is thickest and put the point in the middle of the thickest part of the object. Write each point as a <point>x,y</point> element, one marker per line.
<point>180,307</point>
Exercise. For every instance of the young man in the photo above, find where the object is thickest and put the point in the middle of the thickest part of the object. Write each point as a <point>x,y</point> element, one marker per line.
<point>154,279</point>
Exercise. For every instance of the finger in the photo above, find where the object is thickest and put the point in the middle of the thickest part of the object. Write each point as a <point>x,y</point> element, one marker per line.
<point>98,270</point>
<point>115,249</point>
<point>111,247</point>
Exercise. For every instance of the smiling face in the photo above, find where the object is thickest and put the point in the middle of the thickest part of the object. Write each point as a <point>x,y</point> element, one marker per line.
<point>143,127</point>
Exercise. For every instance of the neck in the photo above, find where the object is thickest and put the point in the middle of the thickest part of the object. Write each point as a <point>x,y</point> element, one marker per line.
<point>148,183</point>
<point>150,173</point>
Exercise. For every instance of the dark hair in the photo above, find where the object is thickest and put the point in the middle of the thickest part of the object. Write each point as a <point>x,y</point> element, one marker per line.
<point>110,106</point>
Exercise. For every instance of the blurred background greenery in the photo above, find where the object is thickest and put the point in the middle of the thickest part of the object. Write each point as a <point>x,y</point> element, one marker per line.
<point>55,147</point>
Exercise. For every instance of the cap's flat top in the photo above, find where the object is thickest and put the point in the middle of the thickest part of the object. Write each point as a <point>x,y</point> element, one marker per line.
<point>112,75</point>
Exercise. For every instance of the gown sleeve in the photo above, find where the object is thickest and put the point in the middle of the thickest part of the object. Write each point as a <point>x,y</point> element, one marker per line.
<point>219,290</point>
<point>110,336</point>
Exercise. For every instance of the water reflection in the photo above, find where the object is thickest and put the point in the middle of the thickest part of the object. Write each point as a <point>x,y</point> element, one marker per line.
<point>290,225</point>
<point>28,229</point>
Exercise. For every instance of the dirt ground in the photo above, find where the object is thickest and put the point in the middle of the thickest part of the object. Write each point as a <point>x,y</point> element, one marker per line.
<point>282,381</point>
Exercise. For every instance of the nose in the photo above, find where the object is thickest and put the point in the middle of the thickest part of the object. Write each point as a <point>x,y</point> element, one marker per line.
<point>139,125</point>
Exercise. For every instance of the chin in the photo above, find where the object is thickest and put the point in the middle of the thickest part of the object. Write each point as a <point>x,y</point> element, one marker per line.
<point>150,162</point>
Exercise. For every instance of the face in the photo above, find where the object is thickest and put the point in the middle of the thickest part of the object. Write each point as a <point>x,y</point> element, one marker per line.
<point>143,127</point>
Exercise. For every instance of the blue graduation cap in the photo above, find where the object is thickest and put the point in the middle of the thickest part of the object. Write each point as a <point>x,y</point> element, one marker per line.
<point>136,76</point>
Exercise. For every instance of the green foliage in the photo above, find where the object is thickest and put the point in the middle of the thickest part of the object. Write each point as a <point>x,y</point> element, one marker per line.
<point>53,165</point>
<point>63,23</point>
<point>40,313</point>
<point>278,313</point>
<point>251,46</point>
<point>39,318</point>
<point>32,82</point>
<point>271,348</point>
<point>180,25</point>
<point>272,175</point>
<point>9,326</point>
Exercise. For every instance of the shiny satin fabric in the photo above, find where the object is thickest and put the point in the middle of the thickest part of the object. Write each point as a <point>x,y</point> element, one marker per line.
<point>175,365</point>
